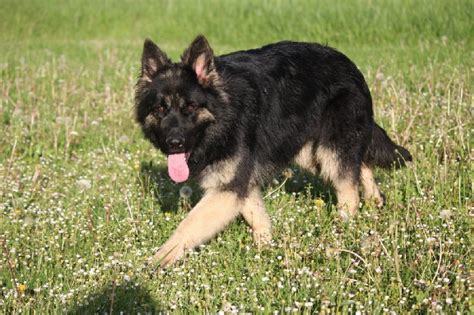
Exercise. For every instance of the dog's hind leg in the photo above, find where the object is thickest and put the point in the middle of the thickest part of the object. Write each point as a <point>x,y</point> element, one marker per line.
<point>347,193</point>
<point>255,214</point>
<point>210,215</point>
<point>345,180</point>
<point>371,191</point>
<point>328,164</point>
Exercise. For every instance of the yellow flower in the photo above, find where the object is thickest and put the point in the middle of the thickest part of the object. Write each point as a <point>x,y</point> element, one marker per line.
<point>319,203</point>
<point>22,288</point>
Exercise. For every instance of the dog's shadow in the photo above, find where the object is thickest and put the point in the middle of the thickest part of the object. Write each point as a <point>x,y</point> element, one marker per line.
<point>300,181</point>
<point>117,299</point>
<point>155,181</point>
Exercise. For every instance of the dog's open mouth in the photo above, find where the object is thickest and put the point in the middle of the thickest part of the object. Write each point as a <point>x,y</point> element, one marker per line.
<point>178,166</point>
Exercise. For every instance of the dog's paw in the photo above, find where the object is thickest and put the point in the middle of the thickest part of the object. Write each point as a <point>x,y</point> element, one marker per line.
<point>173,250</point>
<point>345,214</point>
<point>347,211</point>
<point>377,201</point>
<point>262,238</point>
<point>380,202</point>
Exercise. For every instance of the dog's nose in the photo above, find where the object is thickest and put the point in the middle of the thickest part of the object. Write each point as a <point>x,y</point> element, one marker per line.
<point>175,143</point>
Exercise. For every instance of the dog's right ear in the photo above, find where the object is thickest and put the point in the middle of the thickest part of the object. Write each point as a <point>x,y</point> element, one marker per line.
<point>153,60</point>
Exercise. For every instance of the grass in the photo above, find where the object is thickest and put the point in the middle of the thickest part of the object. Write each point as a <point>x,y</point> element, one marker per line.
<point>84,200</point>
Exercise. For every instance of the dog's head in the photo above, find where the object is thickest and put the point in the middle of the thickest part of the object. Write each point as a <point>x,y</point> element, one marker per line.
<point>174,101</point>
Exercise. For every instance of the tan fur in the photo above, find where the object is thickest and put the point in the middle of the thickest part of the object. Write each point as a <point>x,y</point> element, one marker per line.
<point>203,115</point>
<point>153,64</point>
<point>210,216</point>
<point>306,158</point>
<point>167,99</point>
<point>151,121</point>
<point>328,162</point>
<point>219,174</point>
<point>217,208</point>
<point>169,73</point>
<point>255,214</point>
<point>346,188</point>
<point>371,191</point>
<point>347,193</point>
<point>153,67</point>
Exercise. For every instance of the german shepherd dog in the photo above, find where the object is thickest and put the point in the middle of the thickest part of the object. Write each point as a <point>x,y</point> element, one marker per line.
<point>232,121</point>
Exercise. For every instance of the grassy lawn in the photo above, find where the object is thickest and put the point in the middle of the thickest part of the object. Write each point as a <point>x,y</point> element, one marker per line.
<point>84,199</point>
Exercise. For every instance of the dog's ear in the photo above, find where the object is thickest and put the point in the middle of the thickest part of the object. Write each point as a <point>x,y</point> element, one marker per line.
<point>153,59</point>
<point>200,57</point>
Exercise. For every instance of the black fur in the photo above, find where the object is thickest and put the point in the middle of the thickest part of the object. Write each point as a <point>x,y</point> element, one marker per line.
<point>383,152</point>
<point>262,105</point>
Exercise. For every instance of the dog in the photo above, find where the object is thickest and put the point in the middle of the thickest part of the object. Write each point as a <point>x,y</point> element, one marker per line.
<point>233,121</point>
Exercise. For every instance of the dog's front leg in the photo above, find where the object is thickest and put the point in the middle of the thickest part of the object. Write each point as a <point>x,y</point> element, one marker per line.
<point>254,212</point>
<point>210,215</point>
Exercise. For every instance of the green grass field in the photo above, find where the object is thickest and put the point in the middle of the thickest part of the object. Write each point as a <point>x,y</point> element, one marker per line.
<point>84,199</point>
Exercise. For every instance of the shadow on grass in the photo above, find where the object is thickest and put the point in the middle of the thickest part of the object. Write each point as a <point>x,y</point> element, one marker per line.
<point>155,180</point>
<point>123,299</point>
<point>305,182</point>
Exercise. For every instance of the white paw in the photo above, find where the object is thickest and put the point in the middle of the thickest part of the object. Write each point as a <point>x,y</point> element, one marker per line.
<point>344,215</point>
<point>380,201</point>
<point>262,238</point>
<point>376,201</point>
<point>169,253</point>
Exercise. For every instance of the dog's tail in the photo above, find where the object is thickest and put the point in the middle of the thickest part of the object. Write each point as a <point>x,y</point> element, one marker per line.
<point>383,152</point>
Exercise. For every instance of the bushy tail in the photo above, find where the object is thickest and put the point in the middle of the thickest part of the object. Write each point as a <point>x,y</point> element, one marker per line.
<point>383,152</point>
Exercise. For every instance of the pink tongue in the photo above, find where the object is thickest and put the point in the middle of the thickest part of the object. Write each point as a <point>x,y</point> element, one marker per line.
<point>177,167</point>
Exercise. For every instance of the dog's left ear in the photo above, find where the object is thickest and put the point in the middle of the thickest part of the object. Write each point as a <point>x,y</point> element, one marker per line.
<point>200,57</point>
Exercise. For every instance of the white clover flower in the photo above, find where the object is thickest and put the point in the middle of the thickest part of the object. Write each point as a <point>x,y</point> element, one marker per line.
<point>379,76</point>
<point>445,214</point>
<point>29,221</point>
<point>84,184</point>
<point>185,192</point>
<point>123,139</point>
